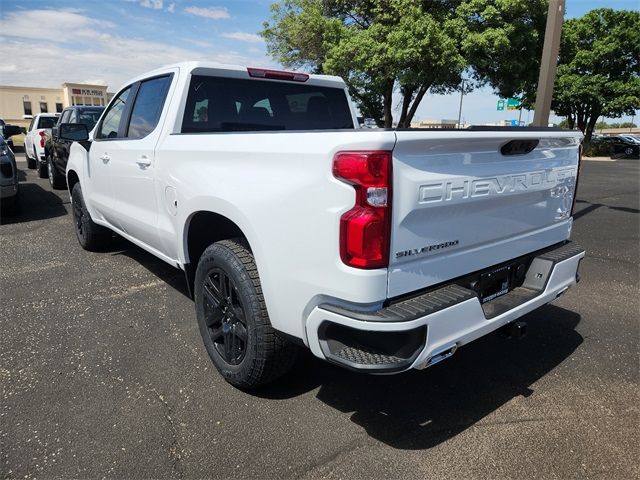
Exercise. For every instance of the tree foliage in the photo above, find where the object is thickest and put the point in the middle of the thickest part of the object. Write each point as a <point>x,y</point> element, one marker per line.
<point>503,40</point>
<point>599,68</point>
<point>378,46</point>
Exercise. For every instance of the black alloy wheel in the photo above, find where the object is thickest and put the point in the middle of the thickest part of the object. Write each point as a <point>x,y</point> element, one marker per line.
<point>225,317</point>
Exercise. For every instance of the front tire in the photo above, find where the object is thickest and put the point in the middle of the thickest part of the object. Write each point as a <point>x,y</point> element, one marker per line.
<point>233,318</point>
<point>56,180</point>
<point>91,236</point>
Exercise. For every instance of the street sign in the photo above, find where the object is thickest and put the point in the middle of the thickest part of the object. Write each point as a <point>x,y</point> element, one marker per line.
<point>513,103</point>
<point>501,104</point>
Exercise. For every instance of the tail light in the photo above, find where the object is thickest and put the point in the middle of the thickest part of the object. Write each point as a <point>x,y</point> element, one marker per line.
<point>365,230</point>
<point>575,187</point>
<point>41,133</point>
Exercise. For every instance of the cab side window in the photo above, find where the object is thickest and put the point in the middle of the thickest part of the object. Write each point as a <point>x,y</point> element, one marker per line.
<point>110,125</point>
<point>148,106</point>
<point>65,116</point>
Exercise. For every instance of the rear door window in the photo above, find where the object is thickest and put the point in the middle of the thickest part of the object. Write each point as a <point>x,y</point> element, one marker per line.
<point>217,104</point>
<point>148,106</point>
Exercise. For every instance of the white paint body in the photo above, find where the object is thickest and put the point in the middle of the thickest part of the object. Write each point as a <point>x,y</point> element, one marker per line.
<point>32,138</point>
<point>278,188</point>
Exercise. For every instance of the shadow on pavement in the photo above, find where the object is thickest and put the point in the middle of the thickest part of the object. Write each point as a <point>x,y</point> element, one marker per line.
<point>35,203</point>
<point>421,409</point>
<point>170,275</point>
<point>594,206</point>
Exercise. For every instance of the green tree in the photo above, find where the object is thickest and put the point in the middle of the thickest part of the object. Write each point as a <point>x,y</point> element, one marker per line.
<point>378,46</point>
<point>599,68</point>
<point>503,40</point>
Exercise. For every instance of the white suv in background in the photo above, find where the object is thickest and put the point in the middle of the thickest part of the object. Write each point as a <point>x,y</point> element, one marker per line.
<point>34,140</point>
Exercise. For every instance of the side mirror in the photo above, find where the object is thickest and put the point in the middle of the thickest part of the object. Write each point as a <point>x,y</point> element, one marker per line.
<point>73,132</point>
<point>11,130</point>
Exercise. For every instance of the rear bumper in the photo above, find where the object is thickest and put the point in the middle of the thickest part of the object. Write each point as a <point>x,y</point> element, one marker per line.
<point>420,331</point>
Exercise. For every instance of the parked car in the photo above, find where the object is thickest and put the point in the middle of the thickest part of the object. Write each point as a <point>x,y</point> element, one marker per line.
<point>379,250</point>
<point>57,149</point>
<point>625,146</point>
<point>40,125</point>
<point>9,186</point>
<point>8,131</point>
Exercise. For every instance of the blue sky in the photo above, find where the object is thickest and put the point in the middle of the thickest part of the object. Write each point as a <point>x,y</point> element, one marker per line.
<point>47,43</point>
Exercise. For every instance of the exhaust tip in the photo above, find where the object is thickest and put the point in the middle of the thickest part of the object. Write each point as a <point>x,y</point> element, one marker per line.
<point>442,354</point>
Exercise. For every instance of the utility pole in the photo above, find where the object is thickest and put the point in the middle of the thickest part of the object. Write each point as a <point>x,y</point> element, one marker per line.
<point>548,63</point>
<point>460,109</point>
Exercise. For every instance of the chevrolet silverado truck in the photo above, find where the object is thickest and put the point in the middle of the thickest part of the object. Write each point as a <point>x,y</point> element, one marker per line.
<point>378,250</point>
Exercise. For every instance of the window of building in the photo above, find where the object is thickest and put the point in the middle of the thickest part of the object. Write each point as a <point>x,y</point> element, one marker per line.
<point>27,107</point>
<point>43,107</point>
<point>58,107</point>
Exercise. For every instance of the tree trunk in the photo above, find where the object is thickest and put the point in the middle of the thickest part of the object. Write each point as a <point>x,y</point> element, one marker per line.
<point>590,126</point>
<point>416,102</point>
<point>407,96</point>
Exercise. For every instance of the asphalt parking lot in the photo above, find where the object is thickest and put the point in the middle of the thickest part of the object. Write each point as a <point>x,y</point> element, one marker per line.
<point>103,372</point>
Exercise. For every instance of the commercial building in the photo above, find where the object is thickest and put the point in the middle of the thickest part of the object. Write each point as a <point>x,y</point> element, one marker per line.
<point>19,104</point>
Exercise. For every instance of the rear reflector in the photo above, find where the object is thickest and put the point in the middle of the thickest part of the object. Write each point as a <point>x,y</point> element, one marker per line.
<point>277,75</point>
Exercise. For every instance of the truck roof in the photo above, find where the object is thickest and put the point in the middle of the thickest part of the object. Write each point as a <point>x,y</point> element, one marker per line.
<point>233,70</point>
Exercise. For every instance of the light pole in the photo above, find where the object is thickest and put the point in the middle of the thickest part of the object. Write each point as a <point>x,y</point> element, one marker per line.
<point>461,97</point>
<point>548,63</point>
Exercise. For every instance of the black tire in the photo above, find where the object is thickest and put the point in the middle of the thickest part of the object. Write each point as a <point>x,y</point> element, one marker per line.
<point>31,162</point>
<point>41,169</point>
<point>91,236</point>
<point>233,318</point>
<point>56,180</point>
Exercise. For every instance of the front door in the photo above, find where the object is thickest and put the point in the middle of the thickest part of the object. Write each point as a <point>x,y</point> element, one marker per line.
<point>132,164</point>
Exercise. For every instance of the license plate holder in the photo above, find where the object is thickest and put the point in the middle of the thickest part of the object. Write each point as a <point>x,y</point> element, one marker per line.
<point>495,283</point>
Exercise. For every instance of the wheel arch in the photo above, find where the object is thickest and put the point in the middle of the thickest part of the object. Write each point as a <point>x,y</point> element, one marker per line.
<point>201,229</point>
<point>72,179</point>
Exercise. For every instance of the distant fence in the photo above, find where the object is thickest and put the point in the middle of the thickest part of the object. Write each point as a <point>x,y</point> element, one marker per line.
<point>617,131</point>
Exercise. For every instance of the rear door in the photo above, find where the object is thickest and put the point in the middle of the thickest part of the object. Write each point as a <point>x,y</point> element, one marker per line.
<point>464,201</point>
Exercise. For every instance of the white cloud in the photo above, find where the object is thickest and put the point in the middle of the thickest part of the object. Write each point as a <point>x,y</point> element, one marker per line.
<point>171,8</point>
<point>49,25</point>
<point>154,4</point>
<point>103,56</point>
<point>214,13</point>
<point>243,37</point>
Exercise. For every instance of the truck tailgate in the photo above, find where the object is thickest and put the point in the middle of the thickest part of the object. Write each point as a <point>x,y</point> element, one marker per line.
<point>462,202</point>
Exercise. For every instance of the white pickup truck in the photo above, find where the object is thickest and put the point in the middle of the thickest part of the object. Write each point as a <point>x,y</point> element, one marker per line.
<point>379,250</point>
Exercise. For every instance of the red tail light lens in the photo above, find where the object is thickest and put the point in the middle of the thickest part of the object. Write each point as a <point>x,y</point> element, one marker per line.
<point>365,230</point>
<point>41,133</point>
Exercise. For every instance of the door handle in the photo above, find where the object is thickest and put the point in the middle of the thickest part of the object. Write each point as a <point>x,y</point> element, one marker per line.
<point>105,158</point>
<point>143,161</point>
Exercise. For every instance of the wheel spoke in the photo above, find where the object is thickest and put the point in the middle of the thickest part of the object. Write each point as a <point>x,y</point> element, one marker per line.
<point>212,292</point>
<point>240,331</point>
<point>215,333</point>
<point>227,346</point>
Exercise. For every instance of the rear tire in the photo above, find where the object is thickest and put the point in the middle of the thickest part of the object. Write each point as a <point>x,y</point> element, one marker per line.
<point>91,236</point>
<point>233,318</point>
<point>31,162</point>
<point>41,169</point>
<point>56,180</point>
